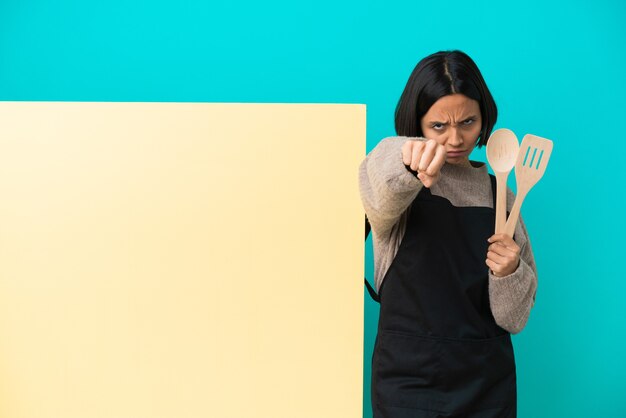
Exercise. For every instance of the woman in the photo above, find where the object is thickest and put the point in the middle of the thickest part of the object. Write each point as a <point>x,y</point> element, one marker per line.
<point>451,292</point>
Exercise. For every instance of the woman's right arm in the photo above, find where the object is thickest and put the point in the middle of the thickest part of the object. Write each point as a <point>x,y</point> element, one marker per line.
<point>386,185</point>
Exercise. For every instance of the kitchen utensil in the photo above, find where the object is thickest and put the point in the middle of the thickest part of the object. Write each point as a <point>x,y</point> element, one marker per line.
<point>532,161</point>
<point>502,150</point>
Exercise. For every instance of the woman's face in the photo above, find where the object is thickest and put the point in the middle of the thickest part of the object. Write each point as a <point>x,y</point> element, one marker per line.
<point>454,121</point>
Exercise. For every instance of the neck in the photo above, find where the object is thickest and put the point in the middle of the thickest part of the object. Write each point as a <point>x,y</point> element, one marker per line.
<point>464,163</point>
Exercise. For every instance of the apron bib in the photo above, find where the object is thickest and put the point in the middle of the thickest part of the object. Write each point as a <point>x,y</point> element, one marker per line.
<point>439,351</point>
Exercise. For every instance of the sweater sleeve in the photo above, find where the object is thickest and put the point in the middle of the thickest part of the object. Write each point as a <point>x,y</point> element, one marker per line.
<point>386,186</point>
<point>512,297</point>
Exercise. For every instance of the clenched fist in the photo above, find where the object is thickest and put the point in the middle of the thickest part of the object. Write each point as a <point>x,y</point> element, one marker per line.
<point>503,256</point>
<point>426,157</point>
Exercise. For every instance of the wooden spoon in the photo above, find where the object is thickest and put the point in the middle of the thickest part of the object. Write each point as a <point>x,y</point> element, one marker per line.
<point>502,150</point>
<point>531,164</point>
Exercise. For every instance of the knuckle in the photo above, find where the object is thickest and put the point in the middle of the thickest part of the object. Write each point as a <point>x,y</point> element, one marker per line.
<point>434,171</point>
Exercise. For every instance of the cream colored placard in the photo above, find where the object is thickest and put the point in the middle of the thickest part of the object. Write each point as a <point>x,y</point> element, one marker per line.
<point>180,260</point>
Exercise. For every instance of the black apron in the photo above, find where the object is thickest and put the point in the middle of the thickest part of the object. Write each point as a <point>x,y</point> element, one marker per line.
<point>439,351</point>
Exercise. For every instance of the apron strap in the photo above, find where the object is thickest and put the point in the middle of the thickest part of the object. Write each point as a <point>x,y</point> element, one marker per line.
<point>370,289</point>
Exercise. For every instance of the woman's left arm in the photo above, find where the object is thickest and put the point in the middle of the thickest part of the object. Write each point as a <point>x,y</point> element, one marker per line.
<point>512,278</point>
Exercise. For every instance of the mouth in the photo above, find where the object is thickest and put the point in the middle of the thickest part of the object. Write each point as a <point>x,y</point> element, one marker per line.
<point>456,153</point>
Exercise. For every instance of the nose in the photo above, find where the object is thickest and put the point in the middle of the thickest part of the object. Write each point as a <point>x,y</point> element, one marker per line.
<point>454,138</point>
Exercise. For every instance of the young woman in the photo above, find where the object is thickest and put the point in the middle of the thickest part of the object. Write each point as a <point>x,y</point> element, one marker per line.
<point>451,292</point>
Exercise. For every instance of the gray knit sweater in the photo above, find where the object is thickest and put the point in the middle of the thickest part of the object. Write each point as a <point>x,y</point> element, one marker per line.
<point>387,190</point>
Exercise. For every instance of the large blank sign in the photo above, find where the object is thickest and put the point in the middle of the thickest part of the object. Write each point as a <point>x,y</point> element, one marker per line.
<point>180,260</point>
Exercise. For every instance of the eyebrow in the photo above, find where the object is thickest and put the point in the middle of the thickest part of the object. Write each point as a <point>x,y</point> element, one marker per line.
<point>445,123</point>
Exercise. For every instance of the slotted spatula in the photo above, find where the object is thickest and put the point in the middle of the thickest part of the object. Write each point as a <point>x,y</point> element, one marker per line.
<point>532,160</point>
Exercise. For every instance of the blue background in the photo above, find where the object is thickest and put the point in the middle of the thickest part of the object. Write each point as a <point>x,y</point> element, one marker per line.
<point>556,69</point>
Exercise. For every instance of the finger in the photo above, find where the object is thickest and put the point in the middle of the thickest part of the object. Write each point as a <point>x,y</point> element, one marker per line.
<point>406,152</point>
<point>498,259</point>
<point>416,154</point>
<point>426,180</point>
<point>438,161</point>
<point>502,250</point>
<point>495,268</point>
<point>427,156</point>
<point>504,240</point>
<point>502,270</point>
<point>502,237</point>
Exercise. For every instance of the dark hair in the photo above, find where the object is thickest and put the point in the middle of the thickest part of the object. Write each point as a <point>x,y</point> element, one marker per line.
<point>438,75</point>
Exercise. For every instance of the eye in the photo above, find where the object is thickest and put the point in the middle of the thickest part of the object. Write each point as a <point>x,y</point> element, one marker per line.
<point>468,121</point>
<point>437,126</point>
